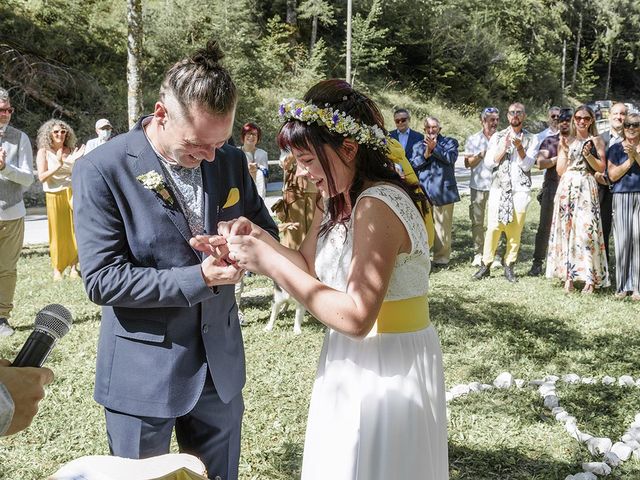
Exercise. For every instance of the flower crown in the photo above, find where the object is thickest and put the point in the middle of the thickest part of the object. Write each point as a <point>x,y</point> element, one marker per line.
<point>335,120</point>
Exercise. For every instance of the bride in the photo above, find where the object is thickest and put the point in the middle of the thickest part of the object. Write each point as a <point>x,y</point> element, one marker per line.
<point>378,403</point>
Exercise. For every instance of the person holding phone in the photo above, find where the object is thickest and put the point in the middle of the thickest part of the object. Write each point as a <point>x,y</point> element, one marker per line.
<point>576,245</point>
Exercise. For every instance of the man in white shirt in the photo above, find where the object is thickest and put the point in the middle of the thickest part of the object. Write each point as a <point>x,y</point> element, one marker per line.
<point>475,149</point>
<point>511,152</point>
<point>104,131</point>
<point>16,174</point>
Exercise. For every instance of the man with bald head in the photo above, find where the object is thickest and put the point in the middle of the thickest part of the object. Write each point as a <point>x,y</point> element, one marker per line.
<point>511,154</point>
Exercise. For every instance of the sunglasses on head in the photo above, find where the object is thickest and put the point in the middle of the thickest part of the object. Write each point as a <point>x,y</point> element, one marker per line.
<point>490,110</point>
<point>631,124</point>
<point>7,111</point>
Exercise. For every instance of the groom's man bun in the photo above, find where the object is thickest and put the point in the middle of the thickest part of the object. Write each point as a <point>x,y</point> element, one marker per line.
<point>201,80</point>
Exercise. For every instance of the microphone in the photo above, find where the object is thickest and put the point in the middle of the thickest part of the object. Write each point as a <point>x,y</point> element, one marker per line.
<point>51,324</point>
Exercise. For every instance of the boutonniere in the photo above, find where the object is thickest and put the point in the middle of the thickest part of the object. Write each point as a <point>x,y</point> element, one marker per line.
<point>153,181</point>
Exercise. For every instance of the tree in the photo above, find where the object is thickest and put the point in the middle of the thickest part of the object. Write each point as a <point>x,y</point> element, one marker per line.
<point>319,11</point>
<point>368,53</point>
<point>134,63</point>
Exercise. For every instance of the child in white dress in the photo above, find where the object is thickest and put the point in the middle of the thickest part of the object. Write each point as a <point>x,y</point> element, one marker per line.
<point>378,404</point>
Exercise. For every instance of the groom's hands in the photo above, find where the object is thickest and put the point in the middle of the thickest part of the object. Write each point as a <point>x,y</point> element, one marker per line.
<point>217,268</point>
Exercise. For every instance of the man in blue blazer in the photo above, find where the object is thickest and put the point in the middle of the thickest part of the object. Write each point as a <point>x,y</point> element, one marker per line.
<point>434,162</point>
<point>407,137</point>
<point>170,352</point>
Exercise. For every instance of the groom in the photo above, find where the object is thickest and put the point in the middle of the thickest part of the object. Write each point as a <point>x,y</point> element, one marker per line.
<point>170,352</point>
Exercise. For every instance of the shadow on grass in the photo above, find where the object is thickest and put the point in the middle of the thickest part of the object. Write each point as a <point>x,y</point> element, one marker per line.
<point>504,464</point>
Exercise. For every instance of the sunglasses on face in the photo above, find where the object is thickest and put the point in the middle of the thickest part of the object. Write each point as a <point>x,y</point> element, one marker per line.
<point>7,111</point>
<point>490,110</point>
<point>401,119</point>
<point>631,124</point>
<point>582,119</point>
<point>555,116</point>
<point>61,132</point>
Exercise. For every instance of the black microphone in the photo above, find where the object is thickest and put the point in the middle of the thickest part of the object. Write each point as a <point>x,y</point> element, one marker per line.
<point>52,323</point>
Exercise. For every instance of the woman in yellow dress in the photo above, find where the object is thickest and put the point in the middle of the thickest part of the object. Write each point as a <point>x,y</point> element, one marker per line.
<point>57,153</point>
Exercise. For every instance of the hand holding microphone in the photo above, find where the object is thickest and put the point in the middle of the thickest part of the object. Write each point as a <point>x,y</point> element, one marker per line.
<point>24,383</point>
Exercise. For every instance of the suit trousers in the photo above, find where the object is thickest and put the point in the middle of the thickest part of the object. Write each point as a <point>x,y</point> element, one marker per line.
<point>477,210</point>
<point>606,214</point>
<point>442,221</point>
<point>512,231</point>
<point>546,199</point>
<point>11,239</point>
<point>210,431</point>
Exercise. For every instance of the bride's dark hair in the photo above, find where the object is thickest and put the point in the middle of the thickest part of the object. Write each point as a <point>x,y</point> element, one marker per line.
<point>372,165</point>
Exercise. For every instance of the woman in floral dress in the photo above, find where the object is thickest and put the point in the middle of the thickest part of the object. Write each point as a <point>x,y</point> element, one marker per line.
<point>576,245</point>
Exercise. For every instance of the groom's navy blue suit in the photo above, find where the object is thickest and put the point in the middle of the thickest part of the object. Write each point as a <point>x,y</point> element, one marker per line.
<point>168,343</point>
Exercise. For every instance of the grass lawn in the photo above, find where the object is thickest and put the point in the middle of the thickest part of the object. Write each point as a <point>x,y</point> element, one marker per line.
<point>530,329</point>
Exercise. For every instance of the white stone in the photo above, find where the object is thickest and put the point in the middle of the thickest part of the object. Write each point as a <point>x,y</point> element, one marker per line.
<point>536,383</point>
<point>588,380</point>
<point>459,390</point>
<point>632,444</point>
<point>599,445</point>
<point>637,417</point>
<point>638,382</point>
<point>634,434</point>
<point>571,378</point>
<point>561,416</point>
<point>636,454</point>
<point>546,389</point>
<point>582,476</point>
<point>551,378</point>
<point>583,437</point>
<point>622,450</point>
<point>474,387</point>
<point>626,381</point>
<point>504,380</point>
<point>557,410</point>
<point>607,380</point>
<point>519,382</point>
<point>486,386</point>
<point>599,468</point>
<point>551,401</point>
<point>612,459</point>
<point>448,396</point>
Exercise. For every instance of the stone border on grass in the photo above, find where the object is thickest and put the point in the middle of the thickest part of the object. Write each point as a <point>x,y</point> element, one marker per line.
<point>613,454</point>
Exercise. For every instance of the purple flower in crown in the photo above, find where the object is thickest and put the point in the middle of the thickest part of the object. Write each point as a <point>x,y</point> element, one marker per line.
<point>298,111</point>
<point>281,110</point>
<point>335,118</point>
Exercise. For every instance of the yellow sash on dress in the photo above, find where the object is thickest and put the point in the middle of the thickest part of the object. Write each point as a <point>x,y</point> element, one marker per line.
<point>403,316</point>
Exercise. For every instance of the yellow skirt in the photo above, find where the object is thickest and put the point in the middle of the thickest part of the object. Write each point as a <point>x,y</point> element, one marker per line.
<point>63,248</point>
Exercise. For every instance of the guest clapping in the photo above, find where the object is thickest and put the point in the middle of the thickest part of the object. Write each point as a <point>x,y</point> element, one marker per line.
<point>624,170</point>
<point>576,245</point>
<point>256,157</point>
<point>57,153</point>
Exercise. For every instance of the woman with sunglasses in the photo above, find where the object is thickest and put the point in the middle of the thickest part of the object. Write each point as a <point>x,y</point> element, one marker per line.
<point>576,244</point>
<point>57,153</point>
<point>624,170</point>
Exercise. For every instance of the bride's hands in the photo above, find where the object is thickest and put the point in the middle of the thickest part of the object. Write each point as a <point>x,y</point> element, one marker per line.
<point>250,253</point>
<point>239,226</point>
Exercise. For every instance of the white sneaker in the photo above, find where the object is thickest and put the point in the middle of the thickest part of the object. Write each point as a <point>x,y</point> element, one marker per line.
<point>477,260</point>
<point>5,328</point>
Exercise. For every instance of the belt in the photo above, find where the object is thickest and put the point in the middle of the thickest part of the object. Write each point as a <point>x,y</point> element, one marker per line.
<point>403,316</point>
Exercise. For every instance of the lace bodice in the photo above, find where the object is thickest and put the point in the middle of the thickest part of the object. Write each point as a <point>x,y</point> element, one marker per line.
<point>410,277</point>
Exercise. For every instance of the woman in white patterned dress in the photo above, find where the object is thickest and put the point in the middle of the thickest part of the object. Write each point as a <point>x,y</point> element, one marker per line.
<point>378,404</point>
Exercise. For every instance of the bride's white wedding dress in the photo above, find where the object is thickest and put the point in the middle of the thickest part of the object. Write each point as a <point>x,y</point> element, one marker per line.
<point>378,406</point>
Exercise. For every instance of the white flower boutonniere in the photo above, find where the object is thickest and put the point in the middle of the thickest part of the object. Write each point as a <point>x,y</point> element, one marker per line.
<point>153,181</point>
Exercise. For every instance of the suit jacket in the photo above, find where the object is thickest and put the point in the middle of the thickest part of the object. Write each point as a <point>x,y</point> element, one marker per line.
<point>414,137</point>
<point>162,328</point>
<point>437,173</point>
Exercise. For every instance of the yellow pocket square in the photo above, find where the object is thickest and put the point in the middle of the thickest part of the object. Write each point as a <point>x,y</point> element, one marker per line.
<point>232,198</point>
